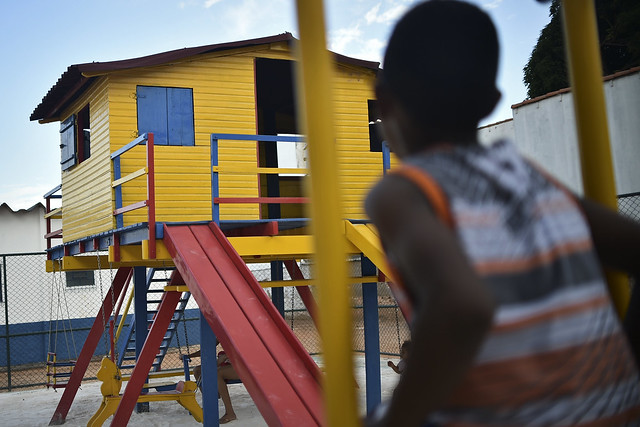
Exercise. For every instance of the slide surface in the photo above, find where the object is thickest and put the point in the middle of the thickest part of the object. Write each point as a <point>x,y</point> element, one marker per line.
<point>280,376</point>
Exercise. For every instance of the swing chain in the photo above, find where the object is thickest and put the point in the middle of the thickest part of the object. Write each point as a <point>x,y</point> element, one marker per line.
<point>113,311</point>
<point>184,324</point>
<point>104,318</point>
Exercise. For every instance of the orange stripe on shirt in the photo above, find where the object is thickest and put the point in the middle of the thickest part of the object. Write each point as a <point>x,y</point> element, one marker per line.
<point>430,189</point>
<point>600,301</point>
<point>528,263</point>
<point>570,371</point>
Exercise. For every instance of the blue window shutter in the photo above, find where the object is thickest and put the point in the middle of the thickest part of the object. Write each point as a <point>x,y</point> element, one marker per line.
<point>180,116</point>
<point>152,113</point>
<point>68,142</point>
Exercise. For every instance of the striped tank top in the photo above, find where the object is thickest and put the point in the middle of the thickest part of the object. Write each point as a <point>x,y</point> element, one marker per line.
<point>556,354</point>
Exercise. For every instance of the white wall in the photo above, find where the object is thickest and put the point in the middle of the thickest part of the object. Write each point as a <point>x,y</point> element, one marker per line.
<point>545,131</point>
<point>23,230</point>
<point>497,131</point>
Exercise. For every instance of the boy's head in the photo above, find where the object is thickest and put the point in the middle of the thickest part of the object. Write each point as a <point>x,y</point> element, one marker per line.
<point>440,68</point>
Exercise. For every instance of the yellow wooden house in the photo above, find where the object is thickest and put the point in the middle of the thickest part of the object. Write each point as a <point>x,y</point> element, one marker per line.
<point>182,97</point>
<point>194,158</point>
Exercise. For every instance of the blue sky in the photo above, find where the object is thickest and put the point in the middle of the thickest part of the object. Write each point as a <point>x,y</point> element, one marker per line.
<point>41,38</point>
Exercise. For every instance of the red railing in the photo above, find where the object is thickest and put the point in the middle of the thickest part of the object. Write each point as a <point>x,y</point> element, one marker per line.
<point>243,169</point>
<point>51,214</point>
<point>149,202</point>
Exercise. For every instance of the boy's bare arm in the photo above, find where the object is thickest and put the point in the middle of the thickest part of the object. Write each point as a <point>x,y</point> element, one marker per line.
<point>393,366</point>
<point>617,242</point>
<point>453,309</point>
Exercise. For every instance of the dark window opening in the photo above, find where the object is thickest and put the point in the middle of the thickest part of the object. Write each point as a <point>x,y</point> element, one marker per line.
<point>80,278</point>
<point>83,135</point>
<point>277,115</point>
<point>75,139</point>
<point>375,126</point>
<point>168,113</point>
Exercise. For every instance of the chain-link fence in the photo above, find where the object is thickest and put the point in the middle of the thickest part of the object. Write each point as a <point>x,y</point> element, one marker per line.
<point>629,205</point>
<point>53,312</point>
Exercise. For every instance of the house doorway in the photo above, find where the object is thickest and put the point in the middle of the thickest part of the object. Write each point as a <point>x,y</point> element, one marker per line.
<point>277,115</point>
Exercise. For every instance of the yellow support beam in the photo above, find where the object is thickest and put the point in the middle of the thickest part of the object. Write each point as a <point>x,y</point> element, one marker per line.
<point>257,246</point>
<point>365,237</point>
<point>310,282</point>
<point>316,112</point>
<point>252,249</point>
<point>585,70</point>
<point>133,256</point>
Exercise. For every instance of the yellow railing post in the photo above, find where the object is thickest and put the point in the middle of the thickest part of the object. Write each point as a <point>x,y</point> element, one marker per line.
<point>316,112</point>
<point>585,71</point>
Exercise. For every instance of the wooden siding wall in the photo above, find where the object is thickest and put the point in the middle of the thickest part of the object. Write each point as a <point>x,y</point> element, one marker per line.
<point>224,102</point>
<point>359,168</point>
<point>86,187</point>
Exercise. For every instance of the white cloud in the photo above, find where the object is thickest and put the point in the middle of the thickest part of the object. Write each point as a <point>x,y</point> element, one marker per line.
<point>371,15</point>
<point>492,4</point>
<point>340,38</point>
<point>209,3</point>
<point>388,16</point>
<point>372,50</point>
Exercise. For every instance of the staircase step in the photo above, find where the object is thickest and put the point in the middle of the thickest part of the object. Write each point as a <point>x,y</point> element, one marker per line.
<point>155,364</point>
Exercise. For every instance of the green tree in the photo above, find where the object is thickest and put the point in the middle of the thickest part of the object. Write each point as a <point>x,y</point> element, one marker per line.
<point>619,36</point>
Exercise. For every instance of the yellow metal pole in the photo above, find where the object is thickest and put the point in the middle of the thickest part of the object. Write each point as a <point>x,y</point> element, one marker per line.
<point>124,315</point>
<point>316,112</point>
<point>585,70</point>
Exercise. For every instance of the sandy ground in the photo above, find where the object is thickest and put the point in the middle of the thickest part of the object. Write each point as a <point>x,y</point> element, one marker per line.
<point>35,407</point>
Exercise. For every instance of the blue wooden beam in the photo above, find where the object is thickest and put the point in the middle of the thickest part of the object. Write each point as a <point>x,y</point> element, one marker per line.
<point>371,336</point>
<point>140,308</point>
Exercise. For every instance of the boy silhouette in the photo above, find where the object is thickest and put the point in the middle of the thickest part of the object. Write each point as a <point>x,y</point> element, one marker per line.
<point>512,323</point>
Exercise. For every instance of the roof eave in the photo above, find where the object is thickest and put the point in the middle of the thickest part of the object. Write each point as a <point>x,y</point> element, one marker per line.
<point>77,77</point>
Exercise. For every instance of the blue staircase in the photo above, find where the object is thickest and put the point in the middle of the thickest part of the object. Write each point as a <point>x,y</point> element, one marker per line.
<point>126,343</point>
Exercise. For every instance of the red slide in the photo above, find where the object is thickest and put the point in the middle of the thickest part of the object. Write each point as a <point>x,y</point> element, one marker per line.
<point>279,374</point>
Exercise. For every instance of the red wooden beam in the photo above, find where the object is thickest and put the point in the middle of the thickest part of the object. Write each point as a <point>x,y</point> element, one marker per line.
<point>53,234</point>
<point>123,275</point>
<point>304,291</point>
<point>116,248</point>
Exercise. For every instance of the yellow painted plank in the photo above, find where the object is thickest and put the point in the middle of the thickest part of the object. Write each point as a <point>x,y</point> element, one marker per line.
<point>179,288</point>
<point>54,214</point>
<point>131,176</point>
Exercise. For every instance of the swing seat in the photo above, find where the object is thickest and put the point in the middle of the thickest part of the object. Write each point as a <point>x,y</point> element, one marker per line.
<point>184,394</point>
<point>53,374</point>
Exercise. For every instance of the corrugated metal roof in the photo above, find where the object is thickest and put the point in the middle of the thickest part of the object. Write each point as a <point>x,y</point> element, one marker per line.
<point>78,77</point>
